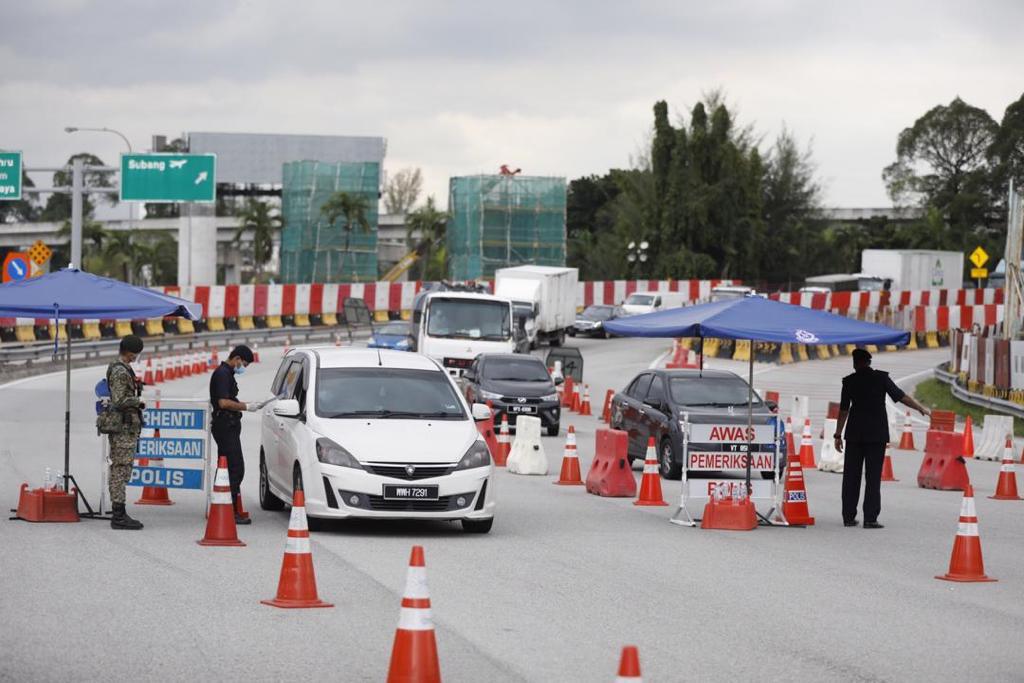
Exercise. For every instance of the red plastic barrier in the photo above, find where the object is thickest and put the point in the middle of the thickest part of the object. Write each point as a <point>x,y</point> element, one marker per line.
<point>943,466</point>
<point>610,474</point>
<point>40,505</point>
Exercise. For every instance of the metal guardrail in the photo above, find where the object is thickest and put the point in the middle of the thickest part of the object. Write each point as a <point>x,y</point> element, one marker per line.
<point>44,350</point>
<point>995,404</point>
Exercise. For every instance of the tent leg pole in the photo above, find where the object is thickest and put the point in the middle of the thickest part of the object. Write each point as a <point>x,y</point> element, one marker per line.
<point>67,403</point>
<point>750,413</point>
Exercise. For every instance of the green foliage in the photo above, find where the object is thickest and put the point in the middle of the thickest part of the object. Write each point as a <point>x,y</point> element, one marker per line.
<point>58,206</point>
<point>351,209</point>
<point>263,225</point>
<point>431,225</point>
<point>25,209</point>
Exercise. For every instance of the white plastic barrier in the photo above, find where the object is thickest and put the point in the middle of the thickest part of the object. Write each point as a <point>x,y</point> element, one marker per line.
<point>831,460</point>
<point>800,411</point>
<point>527,456</point>
<point>993,437</point>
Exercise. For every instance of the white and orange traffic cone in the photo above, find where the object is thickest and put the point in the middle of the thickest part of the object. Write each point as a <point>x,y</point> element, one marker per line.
<point>629,666</point>
<point>147,376</point>
<point>255,352</point>
<point>296,587</point>
<point>585,403</point>
<point>606,410</point>
<point>186,364</point>
<point>907,438</point>
<point>794,495</point>
<point>570,474</point>
<point>887,473</point>
<point>198,366</point>
<point>152,495</point>
<point>807,447</point>
<point>158,378</point>
<point>504,442</point>
<point>968,447</point>
<point>414,653</point>
<point>213,361</point>
<point>220,522</point>
<point>790,441</point>
<point>965,563</point>
<point>577,398</point>
<point>1006,486</point>
<point>650,483</point>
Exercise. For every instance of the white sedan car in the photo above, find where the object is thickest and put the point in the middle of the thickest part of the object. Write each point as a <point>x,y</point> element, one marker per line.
<point>374,434</point>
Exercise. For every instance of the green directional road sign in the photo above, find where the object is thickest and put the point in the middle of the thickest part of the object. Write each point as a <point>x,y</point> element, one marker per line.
<point>10,176</point>
<point>168,177</point>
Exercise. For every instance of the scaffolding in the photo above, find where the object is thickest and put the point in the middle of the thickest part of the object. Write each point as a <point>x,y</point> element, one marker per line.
<point>313,250</point>
<point>504,220</point>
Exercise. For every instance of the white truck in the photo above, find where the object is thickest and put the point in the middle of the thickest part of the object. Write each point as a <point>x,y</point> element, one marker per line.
<point>455,327</point>
<point>549,291</point>
<point>915,268</point>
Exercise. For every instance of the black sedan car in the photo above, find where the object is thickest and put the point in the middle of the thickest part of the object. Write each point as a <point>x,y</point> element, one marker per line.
<point>590,323</point>
<point>654,402</point>
<point>514,385</point>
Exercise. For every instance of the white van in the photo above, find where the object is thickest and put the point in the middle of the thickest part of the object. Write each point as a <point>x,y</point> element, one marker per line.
<point>648,302</point>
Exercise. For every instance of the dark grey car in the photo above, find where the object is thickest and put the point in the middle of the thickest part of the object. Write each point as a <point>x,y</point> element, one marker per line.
<point>653,404</point>
<point>514,385</point>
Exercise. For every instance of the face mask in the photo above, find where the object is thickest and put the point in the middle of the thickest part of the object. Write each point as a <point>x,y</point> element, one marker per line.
<point>240,369</point>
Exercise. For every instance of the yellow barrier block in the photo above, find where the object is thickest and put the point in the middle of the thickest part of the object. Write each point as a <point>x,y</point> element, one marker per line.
<point>801,352</point>
<point>785,354</point>
<point>302,320</point>
<point>835,350</point>
<point>215,324</point>
<point>246,323</point>
<point>186,326</point>
<point>872,349</point>
<point>931,340</point>
<point>380,316</point>
<point>741,351</point>
<point>63,331</point>
<point>892,347</point>
<point>122,328</point>
<point>912,345</point>
<point>274,321</point>
<point>711,347</point>
<point>91,331</point>
<point>405,314</point>
<point>155,327</point>
<point>687,343</point>
<point>329,319</point>
<point>850,348</point>
<point>823,353</point>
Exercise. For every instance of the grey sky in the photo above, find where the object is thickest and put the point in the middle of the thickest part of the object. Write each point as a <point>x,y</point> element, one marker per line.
<point>557,88</point>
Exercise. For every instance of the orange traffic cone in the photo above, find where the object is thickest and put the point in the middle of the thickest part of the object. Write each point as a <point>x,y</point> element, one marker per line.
<point>965,564</point>
<point>1006,486</point>
<point>577,399</point>
<point>650,483</point>
<point>968,450</point>
<point>887,473</point>
<point>213,362</point>
<point>220,522</point>
<point>147,377</point>
<point>585,403</point>
<point>629,666</point>
<point>907,439</point>
<point>570,475</point>
<point>567,392</point>
<point>297,584</point>
<point>807,447</point>
<point>606,411</point>
<point>152,495</point>
<point>239,508</point>
<point>790,441</point>
<point>794,495</point>
<point>255,353</point>
<point>414,653</point>
<point>504,442</point>
<point>158,378</point>
<point>186,364</point>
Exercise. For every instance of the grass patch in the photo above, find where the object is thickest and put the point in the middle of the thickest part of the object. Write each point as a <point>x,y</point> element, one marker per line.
<point>936,394</point>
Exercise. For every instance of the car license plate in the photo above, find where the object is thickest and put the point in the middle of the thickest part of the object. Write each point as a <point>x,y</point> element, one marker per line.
<point>522,409</point>
<point>399,492</point>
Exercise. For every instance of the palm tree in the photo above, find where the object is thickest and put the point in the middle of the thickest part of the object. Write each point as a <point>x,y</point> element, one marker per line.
<point>256,218</point>
<point>352,208</point>
<point>123,252</point>
<point>431,225</point>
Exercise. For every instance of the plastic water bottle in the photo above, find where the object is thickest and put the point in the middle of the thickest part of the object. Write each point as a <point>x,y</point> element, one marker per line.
<point>48,482</point>
<point>59,482</point>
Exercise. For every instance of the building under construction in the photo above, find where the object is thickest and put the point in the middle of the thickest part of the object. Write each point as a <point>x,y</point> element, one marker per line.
<point>313,250</point>
<point>504,220</point>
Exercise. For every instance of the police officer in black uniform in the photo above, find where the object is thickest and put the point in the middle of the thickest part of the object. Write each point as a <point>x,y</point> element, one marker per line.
<point>862,412</point>
<point>227,418</point>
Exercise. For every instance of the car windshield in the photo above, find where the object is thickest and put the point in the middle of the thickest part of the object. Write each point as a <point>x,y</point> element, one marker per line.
<point>395,328</point>
<point>710,391</point>
<point>640,299</point>
<point>469,319</point>
<point>386,393</point>
<point>597,313</point>
<point>513,369</point>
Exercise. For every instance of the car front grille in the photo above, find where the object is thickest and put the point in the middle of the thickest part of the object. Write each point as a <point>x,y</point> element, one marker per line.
<point>514,400</point>
<point>399,471</point>
<point>439,505</point>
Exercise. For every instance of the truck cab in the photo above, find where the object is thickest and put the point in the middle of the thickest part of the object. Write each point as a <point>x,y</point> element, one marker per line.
<point>453,327</point>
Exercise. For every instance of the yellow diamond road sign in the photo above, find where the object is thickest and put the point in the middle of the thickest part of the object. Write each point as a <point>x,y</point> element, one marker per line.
<point>39,253</point>
<point>979,257</point>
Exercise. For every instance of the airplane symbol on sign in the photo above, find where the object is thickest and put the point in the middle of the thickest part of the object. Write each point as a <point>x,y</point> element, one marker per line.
<point>201,177</point>
<point>178,163</point>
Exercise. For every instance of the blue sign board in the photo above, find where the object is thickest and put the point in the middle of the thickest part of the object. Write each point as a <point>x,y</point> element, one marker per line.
<point>167,478</point>
<point>175,418</point>
<point>15,269</point>
<point>172,448</point>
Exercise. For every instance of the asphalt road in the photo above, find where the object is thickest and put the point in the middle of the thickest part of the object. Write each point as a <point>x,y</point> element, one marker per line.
<point>551,594</point>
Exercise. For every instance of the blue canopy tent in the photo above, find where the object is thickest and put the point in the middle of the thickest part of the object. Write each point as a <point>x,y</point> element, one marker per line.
<point>71,294</point>
<point>754,318</point>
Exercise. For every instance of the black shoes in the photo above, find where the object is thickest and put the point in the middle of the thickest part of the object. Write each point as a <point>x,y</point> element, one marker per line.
<point>121,520</point>
<point>242,520</point>
<point>852,522</point>
<point>873,525</point>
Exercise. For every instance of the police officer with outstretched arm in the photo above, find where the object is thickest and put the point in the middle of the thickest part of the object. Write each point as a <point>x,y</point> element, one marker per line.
<point>862,412</point>
<point>126,400</point>
<point>226,425</point>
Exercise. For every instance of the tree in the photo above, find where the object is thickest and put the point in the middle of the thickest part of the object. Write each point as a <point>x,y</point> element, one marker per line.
<point>402,190</point>
<point>23,210</point>
<point>1007,151</point>
<point>258,220</point>
<point>431,225</point>
<point>352,209</point>
<point>790,203</point>
<point>58,206</point>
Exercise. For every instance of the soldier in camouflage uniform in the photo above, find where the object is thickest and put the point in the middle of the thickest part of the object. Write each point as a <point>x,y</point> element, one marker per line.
<point>124,397</point>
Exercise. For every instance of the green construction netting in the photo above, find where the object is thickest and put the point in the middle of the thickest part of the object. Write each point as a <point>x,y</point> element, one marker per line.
<point>311,249</point>
<point>501,220</point>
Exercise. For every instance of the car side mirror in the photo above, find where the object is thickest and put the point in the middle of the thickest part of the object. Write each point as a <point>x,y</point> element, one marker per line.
<point>287,407</point>
<point>772,406</point>
<point>481,412</point>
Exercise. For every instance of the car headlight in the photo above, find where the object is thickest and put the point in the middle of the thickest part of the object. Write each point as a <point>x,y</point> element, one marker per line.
<point>403,344</point>
<point>489,395</point>
<point>549,397</point>
<point>476,456</point>
<point>331,453</point>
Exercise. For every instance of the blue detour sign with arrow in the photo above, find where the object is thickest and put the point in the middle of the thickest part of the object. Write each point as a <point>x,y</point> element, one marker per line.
<point>16,267</point>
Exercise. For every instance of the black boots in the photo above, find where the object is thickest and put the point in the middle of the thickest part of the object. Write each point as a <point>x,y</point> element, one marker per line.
<point>121,520</point>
